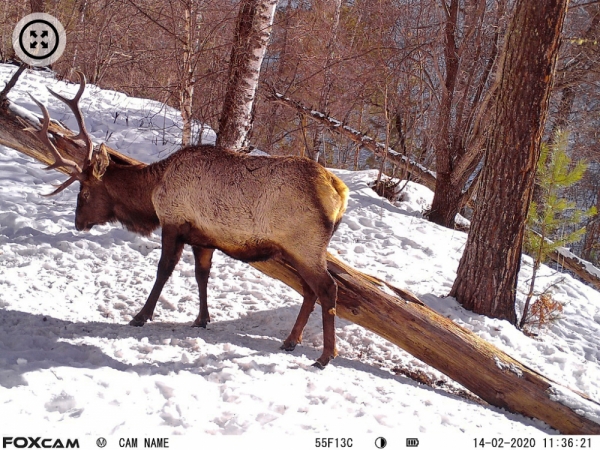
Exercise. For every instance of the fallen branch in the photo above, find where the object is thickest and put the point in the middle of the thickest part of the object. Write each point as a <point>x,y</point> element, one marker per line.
<point>404,320</point>
<point>10,84</point>
<point>13,119</point>
<point>419,172</point>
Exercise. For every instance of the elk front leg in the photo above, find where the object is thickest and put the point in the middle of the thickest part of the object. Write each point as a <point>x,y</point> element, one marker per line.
<point>172,246</point>
<point>203,258</point>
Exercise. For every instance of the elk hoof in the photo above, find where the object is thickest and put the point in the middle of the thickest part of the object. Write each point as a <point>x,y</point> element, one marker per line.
<point>318,365</point>
<point>200,323</point>
<point>323,360</point>
<point>288,346</point>
<point>135,322</point>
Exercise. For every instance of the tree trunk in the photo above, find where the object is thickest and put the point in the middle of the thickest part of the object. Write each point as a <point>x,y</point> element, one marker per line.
<point>252,33</point>
<point>186,90</point>
<point>565,106</point>
<point>487,274</point>
<point>592,235</point>
<point>404,320</point>
<point>464,98</point>
<point>446,198</point>
<point>314,152</point>
<point>37,6</point>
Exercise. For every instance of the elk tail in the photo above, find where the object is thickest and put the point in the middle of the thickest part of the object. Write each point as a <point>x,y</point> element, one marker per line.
<point>342,191</point>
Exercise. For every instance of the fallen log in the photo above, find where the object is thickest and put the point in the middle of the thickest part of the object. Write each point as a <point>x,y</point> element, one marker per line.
<point>580,267</point>
<point>419,172</point>
<point>573,263</point>
<point>402,319</point>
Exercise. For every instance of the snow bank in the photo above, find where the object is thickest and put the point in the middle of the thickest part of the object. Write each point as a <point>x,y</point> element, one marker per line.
<point>70,363</point>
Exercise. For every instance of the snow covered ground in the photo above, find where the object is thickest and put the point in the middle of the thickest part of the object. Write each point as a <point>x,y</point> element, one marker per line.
<point>71,366</point>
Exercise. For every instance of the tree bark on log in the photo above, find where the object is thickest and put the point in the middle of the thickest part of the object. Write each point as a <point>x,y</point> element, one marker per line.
<point>403,320</point>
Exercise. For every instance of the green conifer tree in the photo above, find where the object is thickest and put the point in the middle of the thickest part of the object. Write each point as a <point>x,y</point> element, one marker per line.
<point>552,213</point>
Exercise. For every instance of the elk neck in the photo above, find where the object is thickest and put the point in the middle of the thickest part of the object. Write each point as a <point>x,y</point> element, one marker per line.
<point>130,189</point>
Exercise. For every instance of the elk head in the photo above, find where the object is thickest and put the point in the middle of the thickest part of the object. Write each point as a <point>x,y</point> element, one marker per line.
<point>92,194</point>
<point>94,204</point>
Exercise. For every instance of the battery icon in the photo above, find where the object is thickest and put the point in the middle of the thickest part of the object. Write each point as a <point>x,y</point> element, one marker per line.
<point>412,442</point>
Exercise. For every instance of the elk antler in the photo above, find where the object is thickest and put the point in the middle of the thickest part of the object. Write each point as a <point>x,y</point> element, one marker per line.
<point>42,135</point>
<point>60,161</point>
<point>74,105</point>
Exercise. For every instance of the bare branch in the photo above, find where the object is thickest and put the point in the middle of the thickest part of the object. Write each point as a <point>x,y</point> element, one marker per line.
<point>11,83</point>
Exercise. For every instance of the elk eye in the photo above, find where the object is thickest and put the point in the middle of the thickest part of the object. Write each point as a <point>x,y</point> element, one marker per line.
<point>85,194</point>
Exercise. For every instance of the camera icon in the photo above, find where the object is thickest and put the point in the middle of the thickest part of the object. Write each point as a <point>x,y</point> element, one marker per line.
<point>39,39</point>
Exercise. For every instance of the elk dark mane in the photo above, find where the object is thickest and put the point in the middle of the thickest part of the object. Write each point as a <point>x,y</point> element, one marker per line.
<point>130,192</point>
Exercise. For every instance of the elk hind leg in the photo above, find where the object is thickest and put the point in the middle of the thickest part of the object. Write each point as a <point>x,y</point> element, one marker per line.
<point>308,306</point>
<point>172,246</point>
<point>203,258</point>
<point>321,285</point>
<point>326,290</point>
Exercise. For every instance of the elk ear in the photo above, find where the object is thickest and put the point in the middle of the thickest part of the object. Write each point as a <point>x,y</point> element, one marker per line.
<point>101,162</point>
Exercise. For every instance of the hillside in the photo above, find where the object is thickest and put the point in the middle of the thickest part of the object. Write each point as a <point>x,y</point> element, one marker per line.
<point>69,361</point>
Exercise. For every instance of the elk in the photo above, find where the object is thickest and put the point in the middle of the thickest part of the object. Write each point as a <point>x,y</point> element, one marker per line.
<point>251,208</point>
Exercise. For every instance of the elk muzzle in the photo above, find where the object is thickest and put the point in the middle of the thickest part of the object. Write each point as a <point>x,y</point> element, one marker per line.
<point>81,225</point>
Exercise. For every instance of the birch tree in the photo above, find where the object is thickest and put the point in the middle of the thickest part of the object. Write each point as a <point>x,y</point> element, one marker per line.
<point>252,33</point>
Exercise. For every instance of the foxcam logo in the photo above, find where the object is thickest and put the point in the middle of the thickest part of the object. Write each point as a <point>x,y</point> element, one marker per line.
<point>38,442</point>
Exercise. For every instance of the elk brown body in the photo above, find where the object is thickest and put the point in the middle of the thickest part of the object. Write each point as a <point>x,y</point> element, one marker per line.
<point>250,207</point>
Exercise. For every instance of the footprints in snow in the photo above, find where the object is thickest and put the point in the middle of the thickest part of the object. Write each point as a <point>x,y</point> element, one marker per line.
<point>377,235</point>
